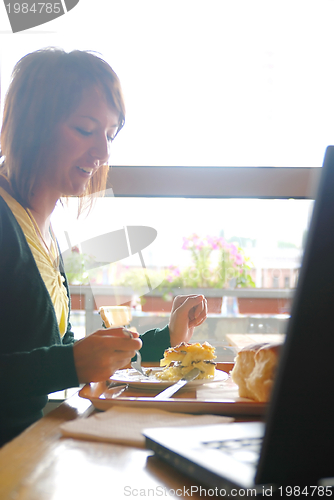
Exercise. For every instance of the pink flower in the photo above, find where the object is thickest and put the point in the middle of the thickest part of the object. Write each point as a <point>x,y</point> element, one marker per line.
<point>239,260</point>
<point>199,244</point>
<point>174,272</point>
<point>214,242</point>
<point>185,245</point>
<point>233,250</point>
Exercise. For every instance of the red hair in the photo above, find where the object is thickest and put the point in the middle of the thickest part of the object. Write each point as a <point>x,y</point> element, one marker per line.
<point>46,87</point>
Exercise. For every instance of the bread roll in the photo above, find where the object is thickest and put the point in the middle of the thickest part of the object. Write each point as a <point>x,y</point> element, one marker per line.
<point>254,370</point>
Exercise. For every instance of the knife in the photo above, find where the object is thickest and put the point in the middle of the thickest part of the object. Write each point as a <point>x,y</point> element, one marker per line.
<point>167,393</point>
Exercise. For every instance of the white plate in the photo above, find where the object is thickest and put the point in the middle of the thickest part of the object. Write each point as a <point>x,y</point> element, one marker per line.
<point>135,379</point>
<point>215,399</point>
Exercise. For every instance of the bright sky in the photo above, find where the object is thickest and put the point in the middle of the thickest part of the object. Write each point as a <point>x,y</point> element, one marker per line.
<point>219,82</point>
<point>266,221</point>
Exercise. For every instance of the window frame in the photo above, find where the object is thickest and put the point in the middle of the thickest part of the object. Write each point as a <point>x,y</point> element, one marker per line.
<point>214,182</point>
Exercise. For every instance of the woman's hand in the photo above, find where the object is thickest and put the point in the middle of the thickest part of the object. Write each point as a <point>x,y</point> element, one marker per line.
<point>187,312</point>
<point>99,355</point>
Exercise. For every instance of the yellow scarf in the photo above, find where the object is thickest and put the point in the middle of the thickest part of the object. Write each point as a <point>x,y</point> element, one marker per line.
<point>52,278</point>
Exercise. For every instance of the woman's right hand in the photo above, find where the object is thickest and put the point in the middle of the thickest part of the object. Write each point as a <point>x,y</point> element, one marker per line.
<point>99,355</point>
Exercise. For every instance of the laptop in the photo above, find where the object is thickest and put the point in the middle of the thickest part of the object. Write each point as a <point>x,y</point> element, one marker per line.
<point>295,444</point>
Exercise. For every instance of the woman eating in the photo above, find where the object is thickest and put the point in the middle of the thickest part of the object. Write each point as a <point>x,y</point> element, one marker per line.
<point>61,114</point>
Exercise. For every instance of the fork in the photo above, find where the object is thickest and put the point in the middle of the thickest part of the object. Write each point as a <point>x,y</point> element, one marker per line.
<point>136,365</point>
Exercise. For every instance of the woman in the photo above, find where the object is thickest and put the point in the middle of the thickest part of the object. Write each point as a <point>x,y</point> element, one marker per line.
<point>61,114</point>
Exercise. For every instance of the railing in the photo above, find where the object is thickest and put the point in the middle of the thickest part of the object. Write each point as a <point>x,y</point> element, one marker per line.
<point>89,298</point>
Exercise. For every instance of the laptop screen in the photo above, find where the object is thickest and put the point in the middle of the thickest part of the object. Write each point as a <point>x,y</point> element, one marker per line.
<point>299,433</point>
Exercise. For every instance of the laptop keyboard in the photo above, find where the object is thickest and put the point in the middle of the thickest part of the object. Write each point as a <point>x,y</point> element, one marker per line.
<point>245,450</point>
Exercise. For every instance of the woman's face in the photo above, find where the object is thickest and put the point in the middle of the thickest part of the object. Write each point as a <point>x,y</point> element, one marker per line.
<point>80,145</point>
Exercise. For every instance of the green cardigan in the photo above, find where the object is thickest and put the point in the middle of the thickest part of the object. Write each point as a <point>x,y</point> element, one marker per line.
<point>34,359</point>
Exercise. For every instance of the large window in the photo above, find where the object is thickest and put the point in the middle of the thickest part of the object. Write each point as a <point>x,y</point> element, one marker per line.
<point>229,111</point>
<point>260,240</point>
<point>209,83</point>
<point>271,233</point>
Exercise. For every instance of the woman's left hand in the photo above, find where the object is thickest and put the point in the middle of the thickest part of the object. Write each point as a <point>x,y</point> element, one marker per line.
<point>187,312</point>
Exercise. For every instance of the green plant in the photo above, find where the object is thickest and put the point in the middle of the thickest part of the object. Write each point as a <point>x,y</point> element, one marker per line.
<point>215,264</point>
<point>76,266</point>
<point>138,279</point>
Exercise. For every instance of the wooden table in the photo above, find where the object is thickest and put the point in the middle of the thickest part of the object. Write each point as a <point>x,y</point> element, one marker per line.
<point>41,465</point>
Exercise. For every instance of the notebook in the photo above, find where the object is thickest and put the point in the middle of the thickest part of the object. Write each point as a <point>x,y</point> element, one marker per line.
<point>296,442</point>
